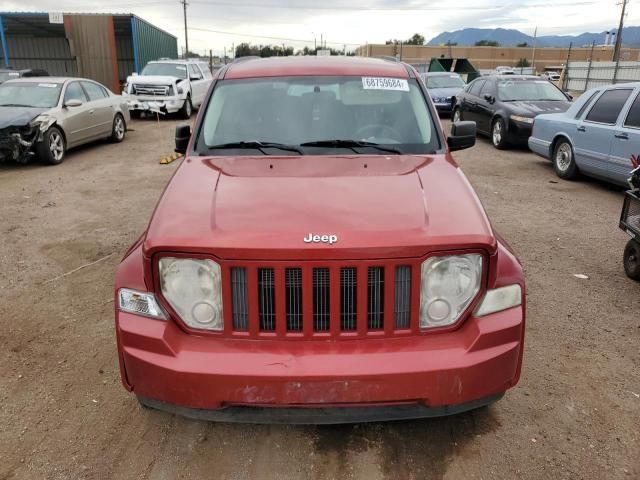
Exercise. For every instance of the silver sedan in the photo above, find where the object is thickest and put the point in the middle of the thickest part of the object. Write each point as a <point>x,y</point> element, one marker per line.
<point>46,116</point>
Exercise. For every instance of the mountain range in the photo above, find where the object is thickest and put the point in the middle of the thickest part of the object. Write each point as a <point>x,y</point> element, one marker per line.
<point>511,38</point>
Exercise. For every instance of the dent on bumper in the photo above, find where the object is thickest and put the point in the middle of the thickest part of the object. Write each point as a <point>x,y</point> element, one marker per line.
<point>159,362</point>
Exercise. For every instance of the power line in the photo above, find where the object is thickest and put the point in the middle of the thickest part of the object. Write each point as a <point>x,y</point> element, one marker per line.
<point>222,32</point>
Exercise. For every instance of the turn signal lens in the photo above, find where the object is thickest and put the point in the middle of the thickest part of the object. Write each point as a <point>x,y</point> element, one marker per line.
<point>499,299</point>
<point>140,303</point>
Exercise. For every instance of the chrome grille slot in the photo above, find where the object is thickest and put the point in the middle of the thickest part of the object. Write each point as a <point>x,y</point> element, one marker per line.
<point>266,299</point>
<point>293,283</point>
<point>375,298</point>
<point>321,306</point>
<point>239,298</point>
<point>348,298</point>
<point>151,90</point>
<point>403,297</point>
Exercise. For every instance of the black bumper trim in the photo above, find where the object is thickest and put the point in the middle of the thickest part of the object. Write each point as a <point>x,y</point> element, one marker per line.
<point>317,416</point>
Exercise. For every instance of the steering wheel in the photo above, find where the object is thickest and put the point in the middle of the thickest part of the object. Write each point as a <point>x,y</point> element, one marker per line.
<point>378,131</point>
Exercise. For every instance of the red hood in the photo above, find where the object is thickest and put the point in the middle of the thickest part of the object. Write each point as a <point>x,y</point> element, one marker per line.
<point>263,208</point>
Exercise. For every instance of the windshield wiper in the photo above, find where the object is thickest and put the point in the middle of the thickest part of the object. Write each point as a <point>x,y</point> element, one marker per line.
<point>255,145</point>
<point>351,144</point>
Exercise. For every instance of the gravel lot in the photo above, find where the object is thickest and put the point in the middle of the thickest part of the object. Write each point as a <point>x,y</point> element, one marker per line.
<point>64,414</point>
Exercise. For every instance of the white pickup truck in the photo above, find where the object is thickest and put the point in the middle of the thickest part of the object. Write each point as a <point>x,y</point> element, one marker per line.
<point>169,86</point>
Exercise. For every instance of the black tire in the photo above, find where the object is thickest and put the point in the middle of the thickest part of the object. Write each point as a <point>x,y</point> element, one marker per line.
<point>53,147</point>
<point>632,260</point>
<point>456,113</point>
<point>186,110</point>
<point>135,114</point>
<point>564,162</point>
<point>499,134</point>
<point>119,129</point>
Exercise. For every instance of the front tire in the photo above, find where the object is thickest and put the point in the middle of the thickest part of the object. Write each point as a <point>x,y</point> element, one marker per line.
<point>119,129</point>
<point>52,149</point>
<point>499,134</point>
<point>456,116</point>
<point>564,162</point>
<point>187,109</point>
<point>632,260</point>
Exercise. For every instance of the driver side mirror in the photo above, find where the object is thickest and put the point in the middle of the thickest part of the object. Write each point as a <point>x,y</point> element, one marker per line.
<point>183,135</point>
<point>489,98</point>
<point>73,103</point>
<point>463,135</point>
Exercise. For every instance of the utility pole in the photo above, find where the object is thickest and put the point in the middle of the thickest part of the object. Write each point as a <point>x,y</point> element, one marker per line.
<point>616,50</point>
<point>533,59</point>
<point>186,36</point>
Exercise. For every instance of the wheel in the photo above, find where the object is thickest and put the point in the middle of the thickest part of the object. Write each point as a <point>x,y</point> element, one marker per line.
<point>456,116</point>
<point>187,109</point>
<point>632,260</point>
<point>52,148</point>
<point>119,129</point>
<point>499,134</point>
<point>135,114</point>
<point>564,162</point>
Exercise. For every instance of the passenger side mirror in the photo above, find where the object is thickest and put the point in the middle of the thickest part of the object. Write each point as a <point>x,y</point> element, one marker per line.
<point>73,102</point>
<point>489,98</point>
<point>183,135</point>
<point>463,135</point>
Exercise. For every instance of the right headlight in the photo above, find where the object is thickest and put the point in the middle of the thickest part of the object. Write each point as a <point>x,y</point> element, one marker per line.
<point>194,290</point>
<point>448,286</point>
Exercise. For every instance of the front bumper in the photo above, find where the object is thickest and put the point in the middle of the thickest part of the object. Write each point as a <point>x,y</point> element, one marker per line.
<point>154,104</point>
<point>424,374</point>
<point>444,107</point>
<point>519,132</point>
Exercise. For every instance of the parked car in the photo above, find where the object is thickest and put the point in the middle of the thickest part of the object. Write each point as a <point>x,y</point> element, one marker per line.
<point>551,76</point>
<point>46,117</point>
<point>597,136</point>
<point>11,74</point>
<point>504,108</point>
<point>443,88</point>
<point>169,86</point>
<point>505,71</point>
<point>319,257</point>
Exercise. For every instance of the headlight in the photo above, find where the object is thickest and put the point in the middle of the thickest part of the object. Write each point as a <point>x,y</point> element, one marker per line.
<point>499,299</point>
<point>449,285</point>
<point>139,303</point>
<point>518,118</point>
<point>193,288</point>
<point>43,122</point>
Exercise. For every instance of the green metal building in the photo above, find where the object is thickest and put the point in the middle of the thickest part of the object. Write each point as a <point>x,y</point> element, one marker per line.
<point>104,47</point>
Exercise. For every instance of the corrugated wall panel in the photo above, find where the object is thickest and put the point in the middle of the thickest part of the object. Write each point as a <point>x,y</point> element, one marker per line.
<point>48,53</point>
<point>124,48</point>
<point>153,43</point>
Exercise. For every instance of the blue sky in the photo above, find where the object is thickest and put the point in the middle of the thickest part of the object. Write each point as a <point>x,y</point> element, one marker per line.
<point>220,23</point>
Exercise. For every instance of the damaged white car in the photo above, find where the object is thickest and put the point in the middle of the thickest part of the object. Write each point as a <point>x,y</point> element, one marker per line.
<point>169,86</point>
<point>44,117</point>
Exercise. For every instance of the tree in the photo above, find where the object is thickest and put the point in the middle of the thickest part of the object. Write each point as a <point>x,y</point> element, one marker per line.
<point>247,50</point>
<point>523,63</point>
<point>523,44</point>
<point>417,39</point>
<point>487,43</point>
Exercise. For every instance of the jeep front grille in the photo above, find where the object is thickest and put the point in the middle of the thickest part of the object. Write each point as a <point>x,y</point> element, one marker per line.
<point>313,300</point>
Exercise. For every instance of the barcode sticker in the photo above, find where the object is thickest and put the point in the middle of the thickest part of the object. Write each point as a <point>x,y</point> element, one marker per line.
<point>379,83</point>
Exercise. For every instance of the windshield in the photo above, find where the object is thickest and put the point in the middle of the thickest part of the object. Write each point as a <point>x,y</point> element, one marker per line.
<point>30,94</point>
<point>510,90</point>
<point>445,81</point>
<point>293,111</point>
<point>166,70</point>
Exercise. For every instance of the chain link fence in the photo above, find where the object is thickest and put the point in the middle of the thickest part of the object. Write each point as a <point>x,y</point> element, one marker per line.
<point>581,76</point>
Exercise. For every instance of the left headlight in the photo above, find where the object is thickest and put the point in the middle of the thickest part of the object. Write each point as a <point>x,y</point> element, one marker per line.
<point>193,288</point>
<point>448,286</point>
<point>518,118</point>
<point>43,122</point>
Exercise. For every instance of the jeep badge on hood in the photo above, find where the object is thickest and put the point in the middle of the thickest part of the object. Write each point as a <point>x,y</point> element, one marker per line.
<point>330,239</point>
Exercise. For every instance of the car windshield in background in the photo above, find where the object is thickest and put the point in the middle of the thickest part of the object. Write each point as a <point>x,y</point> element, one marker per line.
<point>166,70</point>
<point>30,94</point>
<point>318,115</point>
<point>445,81</point>
<point>529,90</point>
<point>4,76</point>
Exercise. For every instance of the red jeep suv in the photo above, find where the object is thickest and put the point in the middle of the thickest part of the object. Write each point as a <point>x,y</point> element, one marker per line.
<point>319,257</point>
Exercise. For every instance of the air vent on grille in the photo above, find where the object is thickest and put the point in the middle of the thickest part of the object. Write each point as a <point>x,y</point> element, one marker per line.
<point>293,281</point>
<point>266,299</point>
<point>375,301</point>
<point>240,298</point>
<point>403,296</point>
<point>348,298</point>
<point>321,307</point>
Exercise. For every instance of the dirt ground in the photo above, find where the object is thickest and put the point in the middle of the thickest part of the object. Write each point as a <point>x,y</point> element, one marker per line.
<point>64,414</point>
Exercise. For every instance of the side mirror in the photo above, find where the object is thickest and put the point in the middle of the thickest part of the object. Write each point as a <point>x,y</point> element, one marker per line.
<point>489,98</point>
<point>463,135</point>
<point>183,135</point>
<point>73,102</point>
